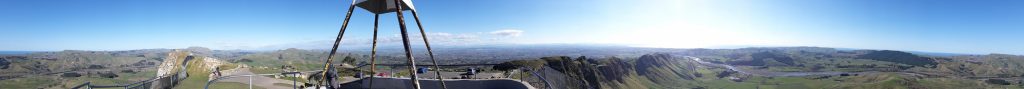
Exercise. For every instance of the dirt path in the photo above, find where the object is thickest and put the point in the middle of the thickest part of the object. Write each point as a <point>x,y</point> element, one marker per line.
<point>261,81</point>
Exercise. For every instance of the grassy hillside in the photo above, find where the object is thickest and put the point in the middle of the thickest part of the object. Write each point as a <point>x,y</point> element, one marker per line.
<point>45,69</point>
<point>127,67</point>
<point>73,60</point>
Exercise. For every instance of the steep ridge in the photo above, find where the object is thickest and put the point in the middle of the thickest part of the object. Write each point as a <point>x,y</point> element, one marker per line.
<point>648,71</point>
<point>663,68</point>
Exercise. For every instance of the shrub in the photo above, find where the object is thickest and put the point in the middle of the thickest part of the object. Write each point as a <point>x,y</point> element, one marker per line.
<point>108,75</point>
<point>997,81</point>
<point>71,74</point>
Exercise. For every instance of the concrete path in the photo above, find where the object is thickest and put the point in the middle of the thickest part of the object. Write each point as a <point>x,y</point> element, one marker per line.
<point>261,81</point>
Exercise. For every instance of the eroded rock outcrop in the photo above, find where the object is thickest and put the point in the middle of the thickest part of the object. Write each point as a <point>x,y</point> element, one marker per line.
<point>175,60</point>
<point>172,63</point>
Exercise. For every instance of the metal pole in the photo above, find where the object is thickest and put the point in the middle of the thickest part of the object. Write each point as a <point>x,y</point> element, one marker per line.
<point>408,50</point>
<point>429,51</point>
<point>334,49</point>
<point>250,82</point>
<point>294,77</point>
<point>373,52</point>
<point>543,74</point>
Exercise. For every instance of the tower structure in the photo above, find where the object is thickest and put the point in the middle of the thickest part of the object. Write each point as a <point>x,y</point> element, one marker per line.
<point>378,7</point>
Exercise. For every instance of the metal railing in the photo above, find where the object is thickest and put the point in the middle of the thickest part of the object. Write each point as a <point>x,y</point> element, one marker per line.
<point>145,84</point>
<point>166,81</point>
<point>294,80</point>
<point>547,85</point>
<point>83,86</point>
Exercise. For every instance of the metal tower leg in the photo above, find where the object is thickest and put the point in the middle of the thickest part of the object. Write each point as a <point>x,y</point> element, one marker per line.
<point>408,50</point>
<point>429,51</point>
<point>373,52</point>
<point>334,49</point>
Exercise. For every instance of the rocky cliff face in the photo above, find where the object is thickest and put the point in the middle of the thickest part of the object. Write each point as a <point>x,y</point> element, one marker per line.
<point>172,64</point>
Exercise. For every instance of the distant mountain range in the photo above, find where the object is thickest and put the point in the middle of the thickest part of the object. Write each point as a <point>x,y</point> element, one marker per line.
<point>15,52</point>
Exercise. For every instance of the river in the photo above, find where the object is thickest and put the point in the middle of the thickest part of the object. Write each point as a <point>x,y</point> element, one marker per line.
<point>763,72</point>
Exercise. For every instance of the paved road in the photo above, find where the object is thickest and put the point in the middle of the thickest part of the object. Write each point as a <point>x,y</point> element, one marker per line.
<point>261,81</point>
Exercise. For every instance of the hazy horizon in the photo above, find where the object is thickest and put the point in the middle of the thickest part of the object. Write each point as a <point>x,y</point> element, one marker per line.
<point>975,27</point>
<point>512,44</point>
<point>397,47</point>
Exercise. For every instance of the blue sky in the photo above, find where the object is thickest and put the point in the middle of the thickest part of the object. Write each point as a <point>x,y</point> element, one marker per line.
<point>968,26</point>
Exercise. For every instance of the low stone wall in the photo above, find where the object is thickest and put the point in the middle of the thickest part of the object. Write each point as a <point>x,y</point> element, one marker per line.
<point>404,83</point>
